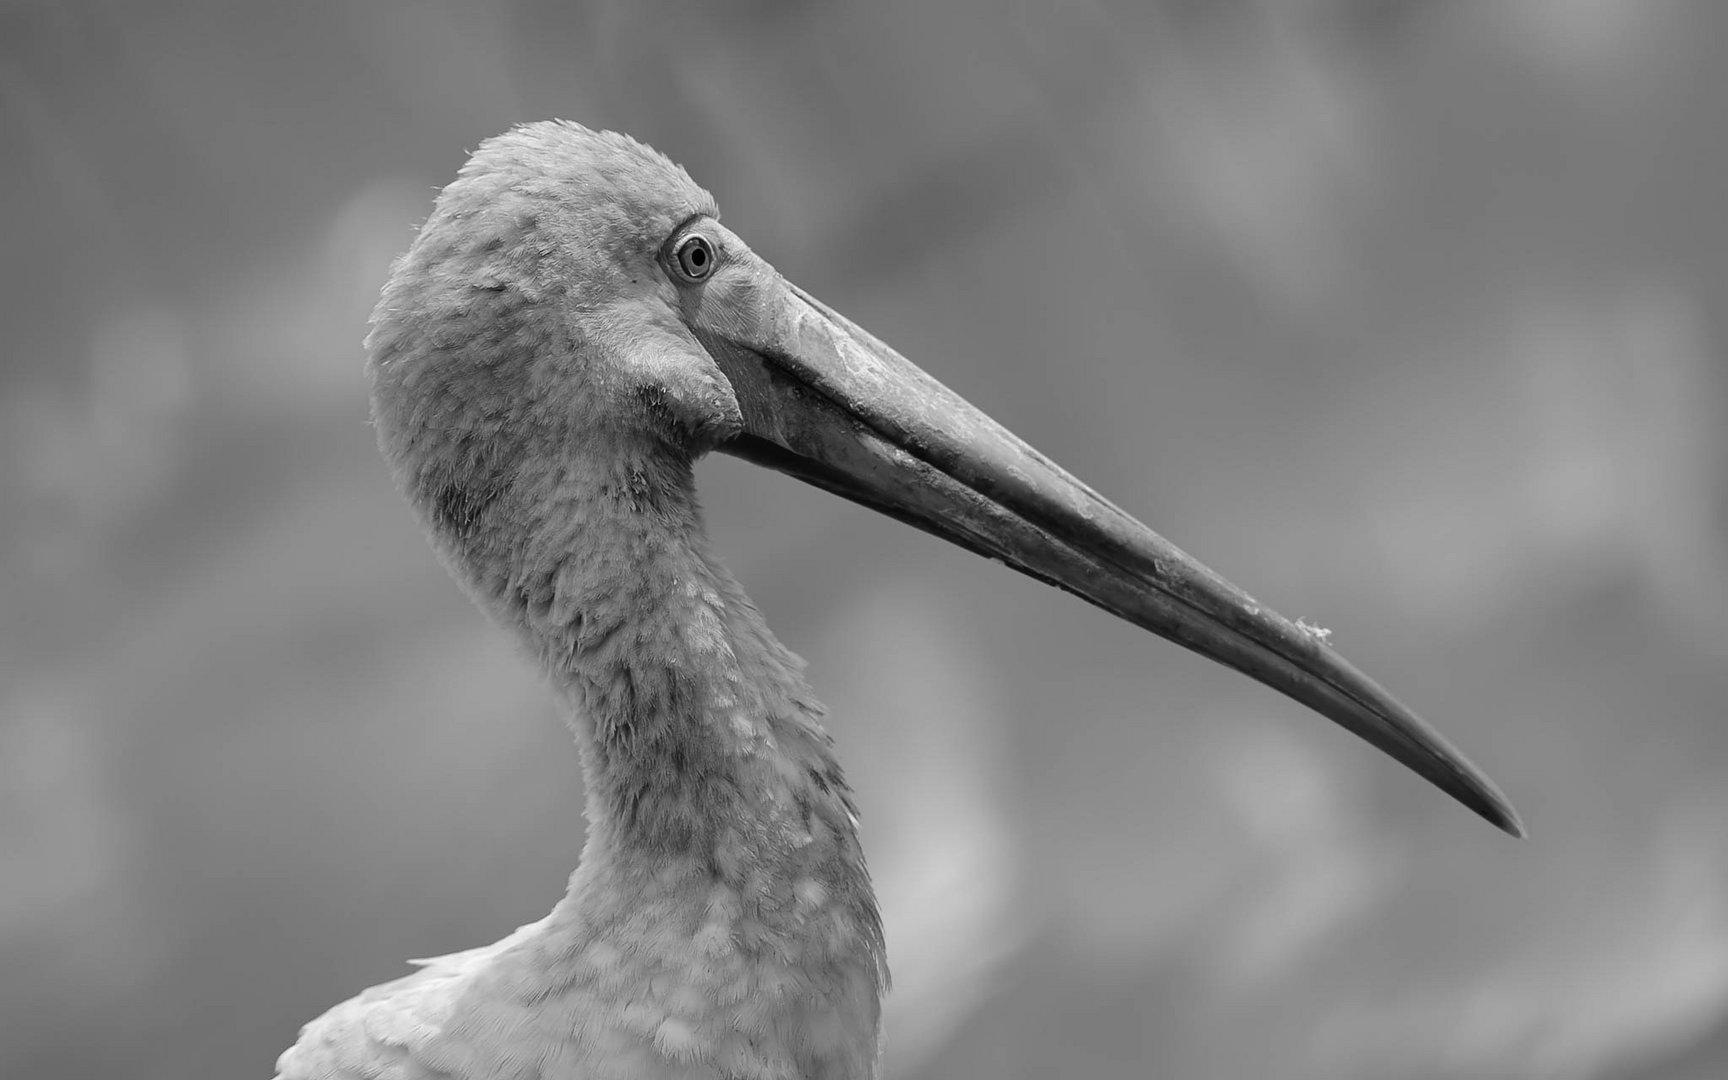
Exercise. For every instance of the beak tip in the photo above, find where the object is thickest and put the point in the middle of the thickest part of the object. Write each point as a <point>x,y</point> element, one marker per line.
<point>1493,807</point>
<point>1506,819</point>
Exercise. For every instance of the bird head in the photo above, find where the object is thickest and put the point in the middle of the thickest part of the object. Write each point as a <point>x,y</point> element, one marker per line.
<point>574,303</point>
<point>543,298</point>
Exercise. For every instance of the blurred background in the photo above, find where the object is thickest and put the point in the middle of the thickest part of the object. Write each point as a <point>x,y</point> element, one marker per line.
<point>1406,316</point>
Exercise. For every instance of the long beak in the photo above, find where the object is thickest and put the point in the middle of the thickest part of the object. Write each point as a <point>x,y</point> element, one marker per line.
<point>824,401</point>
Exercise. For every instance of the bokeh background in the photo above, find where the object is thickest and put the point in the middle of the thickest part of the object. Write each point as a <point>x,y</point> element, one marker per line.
<point>1407,316</point>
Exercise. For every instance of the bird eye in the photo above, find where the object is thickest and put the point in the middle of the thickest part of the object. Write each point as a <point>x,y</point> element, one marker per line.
<point>695,258</point>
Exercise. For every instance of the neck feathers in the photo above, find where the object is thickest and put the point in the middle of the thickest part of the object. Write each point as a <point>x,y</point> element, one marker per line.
<point>686,705</point>
<point>702,745</point>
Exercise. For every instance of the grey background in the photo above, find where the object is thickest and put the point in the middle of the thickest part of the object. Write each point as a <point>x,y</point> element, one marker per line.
<point>1405,316</point>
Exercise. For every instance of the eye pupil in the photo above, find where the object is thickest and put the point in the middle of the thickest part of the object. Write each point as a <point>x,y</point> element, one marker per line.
<point>695,258</point>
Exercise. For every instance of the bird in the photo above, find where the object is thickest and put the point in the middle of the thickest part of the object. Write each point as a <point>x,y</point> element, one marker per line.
<point>569,332</point>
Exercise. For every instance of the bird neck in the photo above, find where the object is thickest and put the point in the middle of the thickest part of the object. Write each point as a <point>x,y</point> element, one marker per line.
<point>701,742</point>
<point>722,891</point>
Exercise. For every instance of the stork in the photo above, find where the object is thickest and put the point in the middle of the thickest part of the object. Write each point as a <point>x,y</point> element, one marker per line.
<point>568,333</point>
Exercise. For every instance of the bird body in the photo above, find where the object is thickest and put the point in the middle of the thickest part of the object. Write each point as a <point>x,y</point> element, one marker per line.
<point>568,333</point>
